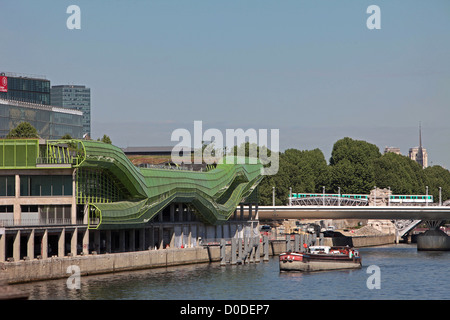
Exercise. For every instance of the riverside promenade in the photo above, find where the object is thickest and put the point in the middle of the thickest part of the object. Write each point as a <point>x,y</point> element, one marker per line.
<point>92,264</point>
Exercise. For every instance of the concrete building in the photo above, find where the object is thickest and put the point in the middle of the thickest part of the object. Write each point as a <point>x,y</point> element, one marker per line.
<point>27,99</point>
<point>80,197</point>
<point>75,97</point>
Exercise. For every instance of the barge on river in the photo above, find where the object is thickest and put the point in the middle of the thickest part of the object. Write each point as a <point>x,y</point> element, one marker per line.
<point>320,258</point>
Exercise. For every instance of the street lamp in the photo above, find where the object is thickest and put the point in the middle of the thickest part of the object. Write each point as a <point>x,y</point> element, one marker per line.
<point>339,196</point>
<point>323,198</point>
<point>290,196</point>
<point>440,196</point>
<point>426,198</point>
<point>273,196</point>
<point>389,196</point>
<point>375,195</point>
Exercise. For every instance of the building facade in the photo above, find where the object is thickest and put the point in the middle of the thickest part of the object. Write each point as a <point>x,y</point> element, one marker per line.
<point>50,122</point>
<point>71,197</point>
<point>74,97</point>
<point>27,99</point>
<point>25,88</point>
<point>419,155</point>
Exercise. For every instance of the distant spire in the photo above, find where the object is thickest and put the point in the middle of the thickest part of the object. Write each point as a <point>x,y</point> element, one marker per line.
<point>420,135</point>
<point>419,157</point>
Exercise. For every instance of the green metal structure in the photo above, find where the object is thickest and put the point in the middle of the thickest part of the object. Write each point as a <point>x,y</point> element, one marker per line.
<point>120,195</point>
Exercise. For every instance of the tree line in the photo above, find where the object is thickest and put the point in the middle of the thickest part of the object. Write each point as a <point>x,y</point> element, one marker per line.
<point>356,167</point>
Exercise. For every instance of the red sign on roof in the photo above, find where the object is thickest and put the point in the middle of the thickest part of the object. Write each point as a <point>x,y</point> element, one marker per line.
<point>3,84</point>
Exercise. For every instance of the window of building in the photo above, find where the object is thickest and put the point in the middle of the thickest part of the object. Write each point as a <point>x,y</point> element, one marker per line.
<point>7,186</point>
<point>36,186</point>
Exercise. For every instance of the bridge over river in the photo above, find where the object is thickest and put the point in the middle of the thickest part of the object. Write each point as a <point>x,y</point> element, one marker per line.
<point>405,218</point>
<point>355,212</point>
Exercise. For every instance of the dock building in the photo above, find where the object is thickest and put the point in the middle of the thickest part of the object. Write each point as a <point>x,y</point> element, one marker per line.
<point>77,197</point>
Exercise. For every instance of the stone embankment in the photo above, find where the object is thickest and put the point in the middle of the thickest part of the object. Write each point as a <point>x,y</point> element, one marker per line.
<point>58,267</point>
<point>61,267</point>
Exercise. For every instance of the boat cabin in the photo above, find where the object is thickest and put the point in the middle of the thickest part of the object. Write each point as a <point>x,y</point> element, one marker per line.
<point>319,249</point>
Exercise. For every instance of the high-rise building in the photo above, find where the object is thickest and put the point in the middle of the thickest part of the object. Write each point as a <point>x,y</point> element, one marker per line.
<point>74,97</point>
<point>419,154</point>
<point>27,99</point>
<point>24,88</point>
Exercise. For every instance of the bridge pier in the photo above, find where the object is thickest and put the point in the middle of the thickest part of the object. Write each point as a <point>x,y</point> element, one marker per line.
<point>433,239</point>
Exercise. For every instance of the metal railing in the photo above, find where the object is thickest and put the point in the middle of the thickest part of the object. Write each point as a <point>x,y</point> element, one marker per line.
<point>38,222</point>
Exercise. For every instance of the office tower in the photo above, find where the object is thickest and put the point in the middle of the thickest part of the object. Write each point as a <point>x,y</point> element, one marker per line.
<point>76,97</point>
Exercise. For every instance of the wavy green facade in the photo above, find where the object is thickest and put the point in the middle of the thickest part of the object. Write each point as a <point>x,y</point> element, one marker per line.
<point>120,194</point>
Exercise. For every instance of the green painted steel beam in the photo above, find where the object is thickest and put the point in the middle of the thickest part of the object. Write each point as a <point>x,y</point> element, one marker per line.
<point>214,194</point>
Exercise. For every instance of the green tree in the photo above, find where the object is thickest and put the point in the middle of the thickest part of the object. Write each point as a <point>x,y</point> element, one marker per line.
<point>23,130</point>
<point>438,177</point>
<point>352,166</point>
<point>401,174</point>
<point>105,139</point>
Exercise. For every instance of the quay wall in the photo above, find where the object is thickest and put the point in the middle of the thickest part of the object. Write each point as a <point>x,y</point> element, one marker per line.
<point>56,267</point>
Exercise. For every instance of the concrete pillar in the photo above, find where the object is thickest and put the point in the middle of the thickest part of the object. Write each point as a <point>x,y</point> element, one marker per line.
<point>241,217</point>
<point>296,242</point>
<point>142,239</point>
<point>288,242</point>
<point>172,239</point>
<point>302,241</point>
<point>2,245</point>
<point>30,245</point>
<point>251,249</point>
<point>17,210</point>
<point>61,242</point>
<point>74,242</point>
<point>151,238</point>
<point>108,241</point>
<point>258,250</point>
<point>233,250</point>
<point>86,214</point>
<point>44,245</point>
<point>73,210</point>
<point>86,241</point>
<point>97,241</point>
<point>266,248</point>
<point>122,241</point>
<point>250,212</point>
<point>161,237</point>
<point>132,240</point>
<point>222,252</point>
<point>16,246</point>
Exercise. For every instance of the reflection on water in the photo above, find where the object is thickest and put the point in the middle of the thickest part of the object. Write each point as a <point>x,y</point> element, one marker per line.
<point>405,274</point>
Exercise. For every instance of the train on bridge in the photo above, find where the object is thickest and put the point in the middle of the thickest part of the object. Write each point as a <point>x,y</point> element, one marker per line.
<point>365,197</point>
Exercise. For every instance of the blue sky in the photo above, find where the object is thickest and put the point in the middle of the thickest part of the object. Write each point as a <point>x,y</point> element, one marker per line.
<point>311,69</point>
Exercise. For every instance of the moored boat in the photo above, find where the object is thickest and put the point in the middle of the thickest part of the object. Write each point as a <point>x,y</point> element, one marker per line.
<point>320,258</point>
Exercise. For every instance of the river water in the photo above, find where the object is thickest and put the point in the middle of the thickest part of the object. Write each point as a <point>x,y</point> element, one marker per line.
<point>400,272</point>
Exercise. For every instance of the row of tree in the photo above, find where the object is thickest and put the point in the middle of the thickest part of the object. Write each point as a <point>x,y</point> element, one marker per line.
<point>26,130</point>
<point>355,167</point>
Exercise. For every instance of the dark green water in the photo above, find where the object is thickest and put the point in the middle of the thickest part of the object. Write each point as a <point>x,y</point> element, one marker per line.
<point>405,273</point>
